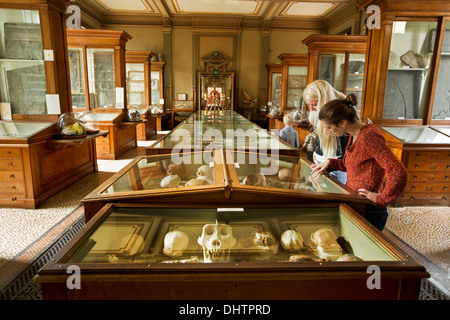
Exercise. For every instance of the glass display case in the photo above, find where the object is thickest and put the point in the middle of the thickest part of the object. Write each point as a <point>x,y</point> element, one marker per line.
<point>405,83</point>
<point>157,82</point>
<point>32,59</point>
<point>425,152</point>
<point>219,129</point>
<point>294,80</point>
<point>338,60</point>
<point>214,176</point>
<point>154,252</point>
<point>275,78</point>
<point>21,130</point>
<point>101,53</point>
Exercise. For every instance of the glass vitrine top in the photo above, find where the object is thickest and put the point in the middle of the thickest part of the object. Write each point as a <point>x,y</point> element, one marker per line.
<point>226,130</point>
<point>107,116</point>
<point>196,235</point>
<point>445,130</point>
<point>417,135</point>
<point>14,129</point>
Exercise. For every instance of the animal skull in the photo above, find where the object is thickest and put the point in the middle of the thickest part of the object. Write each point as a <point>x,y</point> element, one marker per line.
<point>175,242</point>
<point>291,240</point>
<point>205,171</point>
<point>216,240</point>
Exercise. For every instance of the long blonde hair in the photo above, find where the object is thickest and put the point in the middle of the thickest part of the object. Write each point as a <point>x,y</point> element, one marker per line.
<point>323,92</point>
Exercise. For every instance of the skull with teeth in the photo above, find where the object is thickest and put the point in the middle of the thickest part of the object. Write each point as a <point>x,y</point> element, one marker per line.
<point>216,240</point>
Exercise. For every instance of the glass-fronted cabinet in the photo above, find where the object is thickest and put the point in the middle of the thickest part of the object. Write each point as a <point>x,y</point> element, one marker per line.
<point>294,80</point>
<point>339,60</point>
<point>157,83</point>
<point>138,73</point>
<point>406,83</point>
<point>139,251</point>
<point>32,59</point>
<point>275,78</point>
<point>97,69</point>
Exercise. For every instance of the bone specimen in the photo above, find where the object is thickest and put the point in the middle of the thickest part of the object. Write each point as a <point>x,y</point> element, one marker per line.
<point>285,174</point>
<point>254,179</point>
<point>259,240</point>
<point>291,240</point>
<point>324,240</point>
<point>177,169</point>
<point>175,242</point>
<point>205,171</point>
<point>196,182</point>
<point>300,257</point>
<point>216,241</point>
<point>170,181</point>
<point>348,257</point>
<point>191,260</point>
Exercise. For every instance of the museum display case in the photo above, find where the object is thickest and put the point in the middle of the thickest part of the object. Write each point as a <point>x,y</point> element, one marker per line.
<point>157,82</point>
<point>294,80</point>
<point>339,60</point>
<point>219,129</point>
<point>425,152</point>
<point>140,88</point>
<point>121,137</point>
<point>155,252</point>
<point>34,83</point>
<point>404,80</point>
<point>97,69</point>
<point>181,110</point>
<point>219,176</point>
<point>28,153</point>
<point>275,76</point>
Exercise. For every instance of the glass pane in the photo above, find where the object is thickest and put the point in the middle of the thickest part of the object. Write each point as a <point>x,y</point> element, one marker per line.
<point>20,129</point>
<point>135,84</point>
<point>77,78</point>
<point>355,75</point>
<point>441,106</point>
<point>261,235</point>
<point>296,84</point>
<point>409,73</point>
<point>100,64</point>
<point>155,84</point>
<point>276,89</point>
<point>331,69</point>
<point>22,78</point>
<point>417,135</point>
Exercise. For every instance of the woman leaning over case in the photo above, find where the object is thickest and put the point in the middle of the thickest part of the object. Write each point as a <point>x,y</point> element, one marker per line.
<point>367,158</point>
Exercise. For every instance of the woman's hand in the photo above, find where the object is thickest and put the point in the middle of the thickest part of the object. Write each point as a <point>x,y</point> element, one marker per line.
<point>372,196</point>
<point>320,168</point>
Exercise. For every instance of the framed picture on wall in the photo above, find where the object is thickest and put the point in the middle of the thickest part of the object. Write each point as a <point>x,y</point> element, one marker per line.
<point>182,96</point>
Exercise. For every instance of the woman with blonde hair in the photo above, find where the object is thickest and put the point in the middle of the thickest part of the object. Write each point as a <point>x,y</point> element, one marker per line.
<point>326,145</point>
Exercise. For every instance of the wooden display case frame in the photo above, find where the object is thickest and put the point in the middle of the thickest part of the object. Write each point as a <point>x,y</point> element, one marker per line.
<point>265,280</point>
<point>378,48</point>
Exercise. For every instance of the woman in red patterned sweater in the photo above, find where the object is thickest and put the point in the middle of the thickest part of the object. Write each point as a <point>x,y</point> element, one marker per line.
<point>367,159</point>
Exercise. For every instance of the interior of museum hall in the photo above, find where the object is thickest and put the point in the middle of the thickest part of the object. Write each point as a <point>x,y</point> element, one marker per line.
<point>172,150</point>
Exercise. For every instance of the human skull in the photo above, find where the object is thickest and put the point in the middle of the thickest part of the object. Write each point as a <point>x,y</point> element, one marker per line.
<point>254,179</point>
<point>291,240</point>
<point>205,171</point>
<point>175,242</point>
<point>170,181</point>
<point>216,241</point>
<point>324,240</point>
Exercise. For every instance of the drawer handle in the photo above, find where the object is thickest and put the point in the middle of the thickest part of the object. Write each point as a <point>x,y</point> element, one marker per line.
<point>429,188</point>
<point>414,177</point>
<point>430,178</point>
<point>446,177</point>
<point>418,155</point>
<point>13,187</point>
<point>432,167</point>
<point>445,187</point>
<point>10,164</point>
<point>448,166</point>
<point>413,187</point>
<point>416,166</point>
<point>11,176</point>
<point>14,199</point>
<point>9,152</point>
<point>413,198</point>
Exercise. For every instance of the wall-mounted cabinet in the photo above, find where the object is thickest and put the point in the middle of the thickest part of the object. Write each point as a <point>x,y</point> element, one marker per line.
<point>338,60</point>
<point>294,80</point>
<point>405,81</point>
<point>97,69</point>
<point>34,82</point>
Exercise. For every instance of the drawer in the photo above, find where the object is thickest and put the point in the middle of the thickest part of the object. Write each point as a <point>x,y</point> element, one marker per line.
<point>10,164</point>
<point>10,153</point>
<point>12,176</point>
<point>428,155</point>
<point>432,188</point>
<point>12,202</point>
<point>15,188</point>
<point>429,176</point>
<point>428,165</point>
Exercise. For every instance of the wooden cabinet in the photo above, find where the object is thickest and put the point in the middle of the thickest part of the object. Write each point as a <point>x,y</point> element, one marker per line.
<point>408,56</point>
<point>294,80</point>
<point>139,91</point>
<point>34,165</point>
<point>425,152</point>
<point>338,60</point>
<point>34,78</point>
<point>121,137</point>
<point>157,82</point>
<point>275,79</point>
<point>97,69</point>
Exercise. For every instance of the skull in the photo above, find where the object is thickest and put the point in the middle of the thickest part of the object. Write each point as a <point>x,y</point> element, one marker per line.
<point>291,240</point>
<point>216,240</point>
<point>259,240</point>
<point>175,242</point>
<point>205,171</point>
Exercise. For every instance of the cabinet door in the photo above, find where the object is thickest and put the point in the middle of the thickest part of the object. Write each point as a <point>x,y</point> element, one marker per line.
<point>296,83</point>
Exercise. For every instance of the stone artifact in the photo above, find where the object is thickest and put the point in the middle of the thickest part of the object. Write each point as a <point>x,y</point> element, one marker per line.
<point>291,240</point>
<point>394,60</point>
<point>175,243</point>
<point>216,241</point>
<point>414,60</point>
